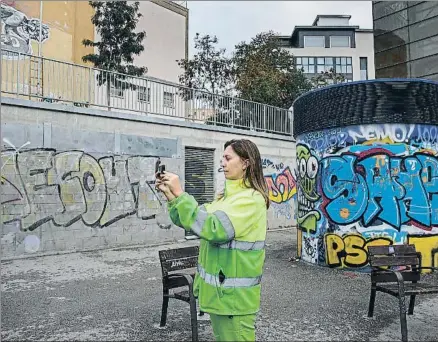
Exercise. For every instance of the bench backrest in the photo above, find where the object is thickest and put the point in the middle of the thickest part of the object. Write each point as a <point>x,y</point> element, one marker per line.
<point>178,259</point>
<point>395,255</point>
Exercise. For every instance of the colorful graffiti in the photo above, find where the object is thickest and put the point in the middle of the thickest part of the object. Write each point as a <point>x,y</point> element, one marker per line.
<point>43,185</point>
<point>18,31</point>
<point>307,165</point>
<point>363,185</point>
<point>281,186</point>
<point>374,184</point>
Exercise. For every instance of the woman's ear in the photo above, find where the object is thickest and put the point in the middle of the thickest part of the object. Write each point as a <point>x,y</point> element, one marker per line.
<point>245,164</point>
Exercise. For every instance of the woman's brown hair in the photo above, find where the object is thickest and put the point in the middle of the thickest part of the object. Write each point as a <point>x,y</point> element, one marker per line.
<point>253,176</point>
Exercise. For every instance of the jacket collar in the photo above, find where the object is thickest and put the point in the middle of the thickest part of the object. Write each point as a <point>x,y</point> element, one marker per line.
<point>233,186</point>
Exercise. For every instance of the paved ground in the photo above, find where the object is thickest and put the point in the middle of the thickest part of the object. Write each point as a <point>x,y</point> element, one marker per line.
<point>116,295</point>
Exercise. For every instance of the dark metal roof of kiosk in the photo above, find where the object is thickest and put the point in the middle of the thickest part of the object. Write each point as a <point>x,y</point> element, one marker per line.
<point>380,101</point>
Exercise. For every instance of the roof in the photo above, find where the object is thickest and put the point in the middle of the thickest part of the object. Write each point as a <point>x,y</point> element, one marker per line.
<point>329,16</point>
<point>321,28</point>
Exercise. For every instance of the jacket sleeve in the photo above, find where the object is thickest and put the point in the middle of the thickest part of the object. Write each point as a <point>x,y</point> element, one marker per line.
<point>220,226</point>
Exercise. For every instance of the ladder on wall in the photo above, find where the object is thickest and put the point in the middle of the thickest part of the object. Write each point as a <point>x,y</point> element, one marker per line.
<point>35,77</point>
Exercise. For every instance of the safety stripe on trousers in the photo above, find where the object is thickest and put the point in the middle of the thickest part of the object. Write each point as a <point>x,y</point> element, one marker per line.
<point>243,245</point>
<point>228,282</point>
<point>222,217</point>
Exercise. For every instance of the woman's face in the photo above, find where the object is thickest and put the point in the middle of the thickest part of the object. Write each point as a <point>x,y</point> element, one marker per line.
<point>234,167</point>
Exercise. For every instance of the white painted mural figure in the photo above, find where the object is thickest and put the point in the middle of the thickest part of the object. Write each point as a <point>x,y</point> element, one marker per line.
<point>18,30</point>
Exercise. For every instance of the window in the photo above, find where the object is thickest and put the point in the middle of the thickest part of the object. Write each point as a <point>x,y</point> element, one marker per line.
<point>390,57</point>
<point>339,41</point>
<point>116,90</point>
<point>363,68</point>
<point>307,64</point>
<point>391,22</point>
<point>423,29</point>
<point>390,39</point>
<point>144,94</point>
<point>324,64</point>
<point>400,70</point>
<point>320,67</point>
<point>314,41</point>
<point>424,48</point>
<point>168,99</point>
<point>328,64</point>
<point>343,65</point>
<point>384,8</point>
<point>423,11</point>
<point>424,66</point>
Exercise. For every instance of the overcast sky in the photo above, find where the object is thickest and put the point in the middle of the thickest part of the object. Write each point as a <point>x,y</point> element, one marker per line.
<point>235,21</point>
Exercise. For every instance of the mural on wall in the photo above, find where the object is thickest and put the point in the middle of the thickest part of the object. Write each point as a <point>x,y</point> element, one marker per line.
<point>17,31</point>
<point>282,187</point>
<point>365,185</point>
<point>42,185</point>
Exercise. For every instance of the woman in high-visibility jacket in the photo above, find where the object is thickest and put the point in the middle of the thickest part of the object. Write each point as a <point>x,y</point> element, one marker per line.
<point>232,248</point>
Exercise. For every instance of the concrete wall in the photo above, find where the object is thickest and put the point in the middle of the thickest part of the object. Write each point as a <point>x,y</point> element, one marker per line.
<point>82,181</point>
<point>365,185</point>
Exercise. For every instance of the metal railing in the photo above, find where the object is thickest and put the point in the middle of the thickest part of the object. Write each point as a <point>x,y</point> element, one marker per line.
<point>43,79</point>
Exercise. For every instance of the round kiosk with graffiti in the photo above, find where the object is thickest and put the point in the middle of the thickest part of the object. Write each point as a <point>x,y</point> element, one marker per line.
<point>367,170</point>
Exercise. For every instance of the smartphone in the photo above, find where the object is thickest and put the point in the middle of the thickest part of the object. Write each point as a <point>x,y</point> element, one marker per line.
<point>159,168</point>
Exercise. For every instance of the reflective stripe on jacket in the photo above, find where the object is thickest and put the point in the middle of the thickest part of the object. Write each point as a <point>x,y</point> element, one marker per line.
<point>232,247</point>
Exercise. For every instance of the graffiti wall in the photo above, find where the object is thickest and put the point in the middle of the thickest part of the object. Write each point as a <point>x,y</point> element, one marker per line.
<point>84,179</point>
<point>282,189</point>
<point>94,190</point>
<point>365,185</point>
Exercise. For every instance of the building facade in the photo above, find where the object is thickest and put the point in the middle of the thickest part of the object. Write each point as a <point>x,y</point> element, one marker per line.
<point>42,54</point>
<point>406,39</point>
<point>332,43</point>
<point>66,23</point>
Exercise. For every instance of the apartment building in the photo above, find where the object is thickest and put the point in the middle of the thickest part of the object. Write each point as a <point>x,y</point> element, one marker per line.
<point>332,43</point>
<point>406,39</point>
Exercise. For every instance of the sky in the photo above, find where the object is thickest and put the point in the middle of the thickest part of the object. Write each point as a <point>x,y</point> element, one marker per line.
<point>236,21</point>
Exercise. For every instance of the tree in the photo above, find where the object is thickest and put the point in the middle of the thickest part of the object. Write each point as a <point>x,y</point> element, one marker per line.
<point>266,73</point>
<point>116,21</point>
<point>207,75</point>
<point>325,78</point>
<point>209,69</point>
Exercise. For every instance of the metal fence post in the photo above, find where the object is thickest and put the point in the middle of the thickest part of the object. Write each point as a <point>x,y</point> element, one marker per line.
<point>89,86</point>
<point>18,75</point>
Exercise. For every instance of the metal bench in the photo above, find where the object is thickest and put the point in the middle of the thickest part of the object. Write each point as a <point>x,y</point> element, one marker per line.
<point>178,268</point>
<point>398,283</point>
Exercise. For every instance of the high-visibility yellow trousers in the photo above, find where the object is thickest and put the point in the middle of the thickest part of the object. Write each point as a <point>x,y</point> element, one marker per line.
<point>233,328</point>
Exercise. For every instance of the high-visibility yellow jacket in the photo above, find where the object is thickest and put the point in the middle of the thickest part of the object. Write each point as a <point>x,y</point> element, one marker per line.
<point>232,247</point>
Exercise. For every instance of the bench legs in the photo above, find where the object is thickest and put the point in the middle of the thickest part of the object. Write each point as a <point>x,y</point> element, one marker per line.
<point>411,305</point>
<point>403,323</point>
<point>193,317</point>
<point>372,300</point>
<point>164,308</point>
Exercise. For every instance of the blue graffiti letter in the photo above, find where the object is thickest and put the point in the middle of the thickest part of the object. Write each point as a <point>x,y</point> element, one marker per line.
<point>414,205</point>
<point>384,191</point>
<point>346,189</point>
<point>429,176</point>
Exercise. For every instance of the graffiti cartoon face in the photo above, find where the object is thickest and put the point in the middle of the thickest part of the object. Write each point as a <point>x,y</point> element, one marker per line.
<point>307,165</point>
